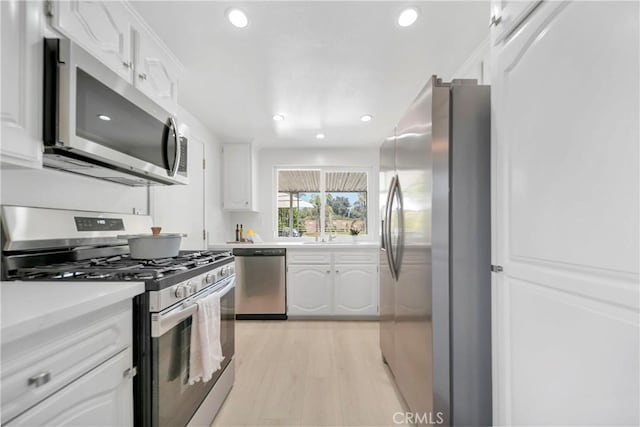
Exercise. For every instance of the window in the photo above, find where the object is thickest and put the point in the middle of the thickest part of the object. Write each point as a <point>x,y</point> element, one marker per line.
<point>304,193</point>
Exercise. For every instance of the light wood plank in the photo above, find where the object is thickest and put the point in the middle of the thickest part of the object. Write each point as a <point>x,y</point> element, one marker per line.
<point>309,373</point>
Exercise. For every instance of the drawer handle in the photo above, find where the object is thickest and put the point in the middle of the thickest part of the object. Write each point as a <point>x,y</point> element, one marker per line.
<point>40,379</point>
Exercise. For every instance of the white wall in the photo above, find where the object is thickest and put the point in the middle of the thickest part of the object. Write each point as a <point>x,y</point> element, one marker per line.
<point>476,66</point>
<point>63,190</point>
<point>178,205</point>
<point>270,158</point>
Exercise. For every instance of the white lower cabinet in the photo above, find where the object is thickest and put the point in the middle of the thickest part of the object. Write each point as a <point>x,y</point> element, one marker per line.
<point>355,290</point>
<point>332,286</point>
<point>309,290</point>
<point>102,397</point>
<point>76,373</point>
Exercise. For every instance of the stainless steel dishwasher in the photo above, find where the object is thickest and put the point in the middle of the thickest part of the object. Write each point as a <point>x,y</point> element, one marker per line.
<point>260,283</point>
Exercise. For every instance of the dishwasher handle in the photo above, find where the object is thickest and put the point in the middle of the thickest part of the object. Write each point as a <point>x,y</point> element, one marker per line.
<point>259,252</point>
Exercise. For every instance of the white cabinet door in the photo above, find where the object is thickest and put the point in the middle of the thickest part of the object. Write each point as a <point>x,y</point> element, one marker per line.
<point>506,15</point>
<point>103,28</point>
<point>566,217</point>
<point>156,73</point>
<point>102,397</point>
<point>355,290</point>
<point>309,290</point>
<point>237,177</point>
<point>21,81</point>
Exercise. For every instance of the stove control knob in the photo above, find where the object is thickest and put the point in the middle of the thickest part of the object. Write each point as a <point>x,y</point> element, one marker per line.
<point>191,288</point>
<point>211,277</point>
<point>181,291</point>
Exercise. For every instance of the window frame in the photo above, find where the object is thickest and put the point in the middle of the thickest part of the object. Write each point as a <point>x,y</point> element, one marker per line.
<point>323,171</point>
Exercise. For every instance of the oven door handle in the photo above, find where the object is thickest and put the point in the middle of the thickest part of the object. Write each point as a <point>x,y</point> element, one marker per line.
<point>164,322</point>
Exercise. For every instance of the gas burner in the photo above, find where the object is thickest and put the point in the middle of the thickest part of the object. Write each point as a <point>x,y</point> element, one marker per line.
<point>63,275</point>
<point>97,276</point>
<point>148,275</point>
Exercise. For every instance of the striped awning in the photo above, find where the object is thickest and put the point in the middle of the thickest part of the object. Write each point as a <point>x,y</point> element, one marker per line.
<point>305,181</point>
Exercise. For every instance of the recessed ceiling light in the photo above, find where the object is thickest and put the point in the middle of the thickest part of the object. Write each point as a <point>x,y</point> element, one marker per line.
<point>278,117</point>
<point>238,18</point>
<point>366,118</point>
<point>104,117</point>
<point>407,17</point>
<point>320,136</point>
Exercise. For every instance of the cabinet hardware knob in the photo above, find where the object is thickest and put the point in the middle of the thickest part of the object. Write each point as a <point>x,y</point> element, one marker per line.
<point>337,271</point>
<point>41,379</point>
<point>126,64</point>
<point>495,20</point>
<point>143,76</point>
<point>328,271</point>
<point>130,372</point>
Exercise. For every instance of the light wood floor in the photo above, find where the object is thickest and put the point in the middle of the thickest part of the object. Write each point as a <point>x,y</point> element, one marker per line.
<point>309,373</point>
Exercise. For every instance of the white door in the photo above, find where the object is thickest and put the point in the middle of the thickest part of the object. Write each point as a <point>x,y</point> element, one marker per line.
<point>103,28</point>
<point>180,208</point>
<point>102,397</point>
<point>309,290</point>
<point>356,290</point>
<point>566,212</point>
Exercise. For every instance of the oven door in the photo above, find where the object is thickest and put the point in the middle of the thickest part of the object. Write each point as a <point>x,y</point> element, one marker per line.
<point>174,401</point>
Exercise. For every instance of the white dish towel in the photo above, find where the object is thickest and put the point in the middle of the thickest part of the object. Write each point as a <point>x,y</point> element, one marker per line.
<point>205,355</point>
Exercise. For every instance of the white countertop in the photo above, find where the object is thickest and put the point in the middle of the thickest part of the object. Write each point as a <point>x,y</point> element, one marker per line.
<point>299,245</point>
<point>31,306</point>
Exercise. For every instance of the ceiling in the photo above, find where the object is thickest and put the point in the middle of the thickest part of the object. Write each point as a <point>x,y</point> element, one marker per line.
<point>321,64</point>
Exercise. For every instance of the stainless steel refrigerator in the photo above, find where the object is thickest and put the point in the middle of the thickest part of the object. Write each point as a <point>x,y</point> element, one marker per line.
<point>435,290</point>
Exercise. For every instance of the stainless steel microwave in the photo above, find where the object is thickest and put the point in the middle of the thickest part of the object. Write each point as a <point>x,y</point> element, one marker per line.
<point>97,124</point>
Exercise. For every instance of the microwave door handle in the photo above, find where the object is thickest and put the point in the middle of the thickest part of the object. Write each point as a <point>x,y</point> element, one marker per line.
<point>176,162</point>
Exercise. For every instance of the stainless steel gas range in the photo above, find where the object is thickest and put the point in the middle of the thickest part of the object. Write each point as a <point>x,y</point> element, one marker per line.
<point>48,244</point>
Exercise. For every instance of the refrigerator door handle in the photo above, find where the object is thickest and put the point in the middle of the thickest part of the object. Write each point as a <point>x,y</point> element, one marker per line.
<point>391,256</point>
<point>397,256</point>
<point>386,231</point>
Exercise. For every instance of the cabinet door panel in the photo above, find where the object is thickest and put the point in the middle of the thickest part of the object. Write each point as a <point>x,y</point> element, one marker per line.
<point>102,397</point>
<point>237,177</point>
<point>309,290</point>
<point>21,81</point>
<point>507,15</point>
<point>356,290</point>
<point>565,217</point>
<point>156,74</point>
<point>101,27</point>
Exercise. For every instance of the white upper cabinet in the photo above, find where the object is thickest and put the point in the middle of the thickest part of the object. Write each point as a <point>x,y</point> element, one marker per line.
<point>103,28</point>
<point>156,71</point>
<point>114,33</point>
<point>237,178</point>
<point>506,15</point>
<point>21,81</point>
